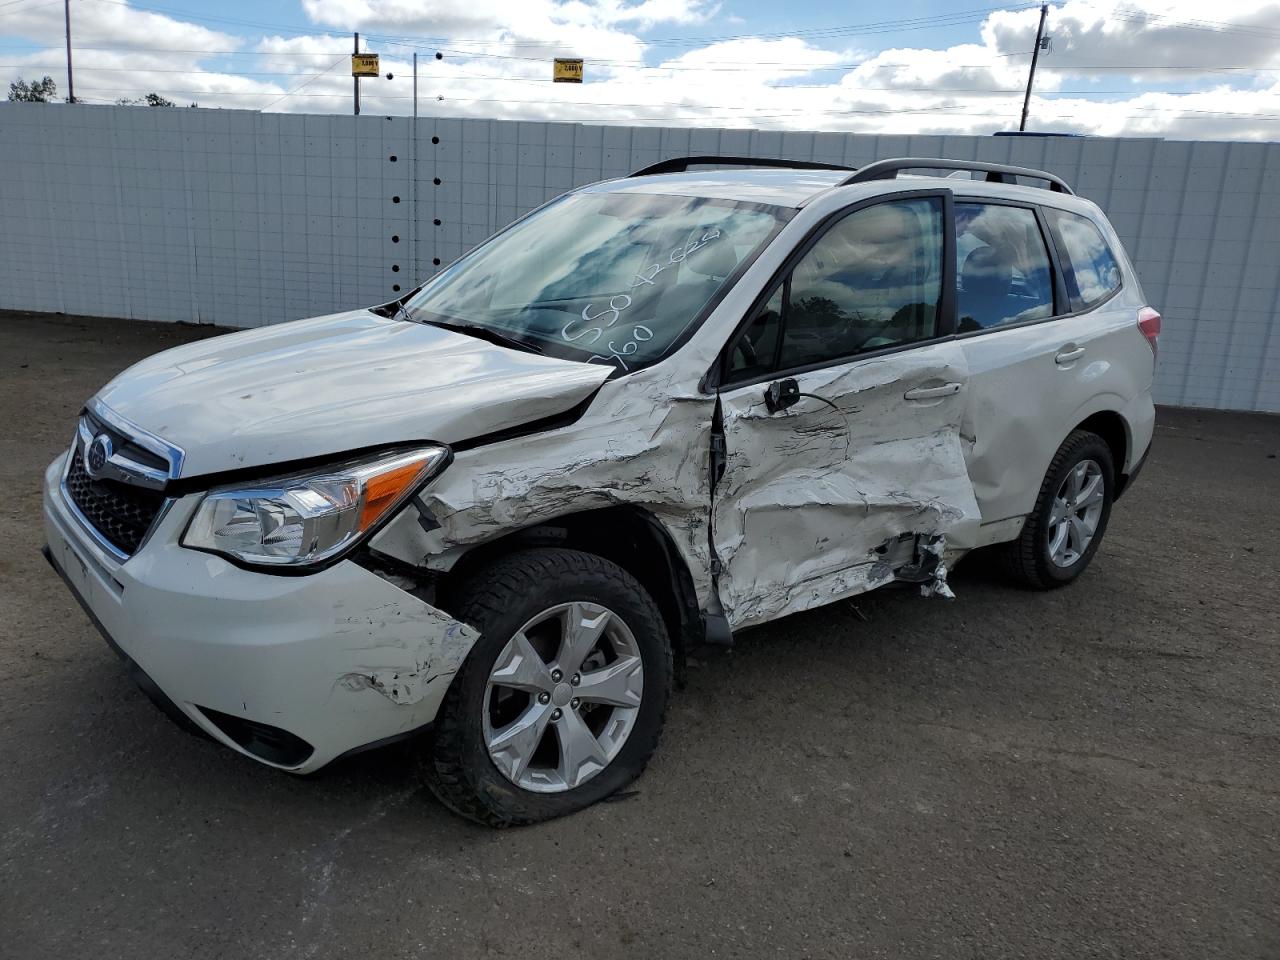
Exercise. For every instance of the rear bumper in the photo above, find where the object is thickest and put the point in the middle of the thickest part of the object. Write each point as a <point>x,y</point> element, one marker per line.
<point>291,671</point>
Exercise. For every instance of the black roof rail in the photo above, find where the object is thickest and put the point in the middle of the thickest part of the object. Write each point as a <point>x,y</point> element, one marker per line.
<point>996,172</point>
<point>681,164</point>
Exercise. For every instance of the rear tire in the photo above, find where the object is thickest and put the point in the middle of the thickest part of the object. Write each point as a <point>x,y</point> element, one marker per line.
<point>1062,534</point>
<point>526,606</point>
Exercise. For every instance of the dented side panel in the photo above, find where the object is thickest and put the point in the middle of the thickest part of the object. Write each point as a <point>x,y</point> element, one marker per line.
<point>643,443</point>
<point>807,497</point>
<point>809,493</point>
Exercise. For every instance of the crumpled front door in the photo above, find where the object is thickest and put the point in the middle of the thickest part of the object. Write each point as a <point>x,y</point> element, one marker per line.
<point>808,493</point>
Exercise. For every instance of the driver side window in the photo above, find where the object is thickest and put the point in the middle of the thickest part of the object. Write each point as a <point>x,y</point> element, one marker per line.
<point>873,280</point>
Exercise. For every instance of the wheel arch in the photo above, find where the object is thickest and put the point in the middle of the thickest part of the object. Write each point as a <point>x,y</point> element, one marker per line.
<point>1111,427</point>
<point>630,536</point>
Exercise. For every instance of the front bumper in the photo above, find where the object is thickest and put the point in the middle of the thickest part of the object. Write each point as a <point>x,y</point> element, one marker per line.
<point>292,671</point>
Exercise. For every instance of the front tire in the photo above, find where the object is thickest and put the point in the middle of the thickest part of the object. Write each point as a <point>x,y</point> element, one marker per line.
<point>1062,534</point>
<point>561,701</point>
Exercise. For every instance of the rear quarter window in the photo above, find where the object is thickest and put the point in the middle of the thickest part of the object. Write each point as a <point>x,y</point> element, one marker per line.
<point>1089,267</point>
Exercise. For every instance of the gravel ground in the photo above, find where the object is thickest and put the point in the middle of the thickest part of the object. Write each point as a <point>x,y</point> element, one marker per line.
<point>1090,772</point>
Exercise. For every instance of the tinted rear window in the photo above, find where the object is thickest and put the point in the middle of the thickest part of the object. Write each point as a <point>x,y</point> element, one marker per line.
<point>1089,267</point>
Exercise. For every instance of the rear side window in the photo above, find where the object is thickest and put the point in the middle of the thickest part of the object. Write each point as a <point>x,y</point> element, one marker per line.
<point>1089,267</point>
<point>1002,267</point>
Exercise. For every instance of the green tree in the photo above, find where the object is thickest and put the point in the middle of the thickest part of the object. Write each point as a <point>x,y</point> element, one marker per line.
<point>38,91</point>
<point>150,100</point>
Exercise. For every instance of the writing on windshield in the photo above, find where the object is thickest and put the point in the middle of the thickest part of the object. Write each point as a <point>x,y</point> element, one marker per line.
<point>597,318</point>
<point>611,277</point>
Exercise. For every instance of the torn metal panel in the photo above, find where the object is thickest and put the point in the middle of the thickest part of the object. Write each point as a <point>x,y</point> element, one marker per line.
<point>810,492</point>
<point>936,585</point>
<point>806,497</point>
<point>925,563</point>
<point>643,443</point>
<point>807,494</point>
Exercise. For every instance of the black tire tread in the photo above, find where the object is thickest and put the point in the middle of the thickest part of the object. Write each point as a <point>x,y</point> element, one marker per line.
<point>482,598</point>
<point>1020,559</point>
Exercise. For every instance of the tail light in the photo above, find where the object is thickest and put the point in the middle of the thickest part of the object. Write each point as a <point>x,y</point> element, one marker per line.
<point>1149,324</point>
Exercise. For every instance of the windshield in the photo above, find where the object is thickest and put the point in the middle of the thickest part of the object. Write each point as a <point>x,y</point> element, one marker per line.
<point>610,278</point>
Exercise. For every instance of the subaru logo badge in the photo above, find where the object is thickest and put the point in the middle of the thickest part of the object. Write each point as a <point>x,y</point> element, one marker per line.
<point>99,453</point>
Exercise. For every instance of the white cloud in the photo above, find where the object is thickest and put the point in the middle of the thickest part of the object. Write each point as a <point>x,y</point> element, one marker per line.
<point>114,24</point>
<point>1101,36</point>
<point>500,18</point>
<point>497,63</point>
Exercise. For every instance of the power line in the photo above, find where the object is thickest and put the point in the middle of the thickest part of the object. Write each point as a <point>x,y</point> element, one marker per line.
<point>720,65</point>
<point>168,50</point>
<point>976,91</point>
<point>941,110</point>
<point>904,25</point>
<point>1209,26</point>
<point>48,3</point>
<point>735,66</point>
<point>899,25</point>
<point>300,86</point>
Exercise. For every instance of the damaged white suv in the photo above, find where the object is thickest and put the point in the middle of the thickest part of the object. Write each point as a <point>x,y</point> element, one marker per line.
<point>653,412</point>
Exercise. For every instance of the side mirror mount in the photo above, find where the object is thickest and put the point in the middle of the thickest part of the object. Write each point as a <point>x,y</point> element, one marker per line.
<point>782,394</point>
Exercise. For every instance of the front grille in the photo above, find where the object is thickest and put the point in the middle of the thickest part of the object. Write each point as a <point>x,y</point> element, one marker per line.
<point>124,444</point>
<point>121,514</point>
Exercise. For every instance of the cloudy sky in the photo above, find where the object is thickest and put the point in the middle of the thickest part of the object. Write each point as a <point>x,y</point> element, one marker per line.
<point>1172,68</point>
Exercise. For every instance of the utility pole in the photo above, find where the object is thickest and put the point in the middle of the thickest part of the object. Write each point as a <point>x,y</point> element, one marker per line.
<point>413,179</point>
<point>356,80</point>
<point>71,87</point>
<point>1035,55</point>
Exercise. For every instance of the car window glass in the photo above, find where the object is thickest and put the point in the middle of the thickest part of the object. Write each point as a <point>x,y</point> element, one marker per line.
<point>1089,267</point>
<point>874,280</point>
<point>611,277</point>
<point>755,349</point>
<point>1002,267</point>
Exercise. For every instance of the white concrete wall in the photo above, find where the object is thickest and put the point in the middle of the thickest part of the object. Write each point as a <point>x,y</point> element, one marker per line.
<point>241,218</point>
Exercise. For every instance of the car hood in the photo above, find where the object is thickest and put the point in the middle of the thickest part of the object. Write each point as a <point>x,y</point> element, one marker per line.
<point>328,385</point>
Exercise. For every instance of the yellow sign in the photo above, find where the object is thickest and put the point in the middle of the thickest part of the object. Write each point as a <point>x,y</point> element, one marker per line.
<point>364,64</point>
<point>567,70</point>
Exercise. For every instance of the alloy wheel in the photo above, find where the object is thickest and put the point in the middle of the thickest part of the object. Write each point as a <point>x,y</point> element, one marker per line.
<point>1077,507</point>
<point>563,697</point>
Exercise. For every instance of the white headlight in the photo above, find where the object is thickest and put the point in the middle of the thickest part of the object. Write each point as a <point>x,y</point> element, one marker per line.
<point>309,518</point>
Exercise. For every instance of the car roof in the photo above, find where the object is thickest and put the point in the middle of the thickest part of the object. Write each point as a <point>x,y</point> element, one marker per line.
<point>783,188</point>
<point>796,187</point>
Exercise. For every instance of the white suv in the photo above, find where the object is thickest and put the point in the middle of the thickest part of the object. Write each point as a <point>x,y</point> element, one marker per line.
<point>653,412</point>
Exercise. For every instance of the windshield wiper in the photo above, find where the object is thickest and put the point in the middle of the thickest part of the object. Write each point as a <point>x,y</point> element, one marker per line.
<point>475,330</point>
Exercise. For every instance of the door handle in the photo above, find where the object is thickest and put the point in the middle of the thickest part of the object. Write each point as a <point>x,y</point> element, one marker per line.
<point>931,393</point>
<point>1068,354</point>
